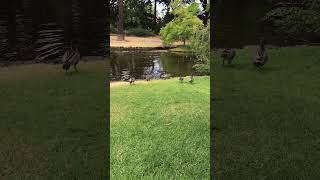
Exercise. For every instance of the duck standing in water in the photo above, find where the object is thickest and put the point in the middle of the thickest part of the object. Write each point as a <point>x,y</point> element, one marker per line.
<point>71,57</point>
<point>191,79</point>
<point>261,55</point>
<point>181,78</point>
<point>228,55</point>
<point>132,80</point>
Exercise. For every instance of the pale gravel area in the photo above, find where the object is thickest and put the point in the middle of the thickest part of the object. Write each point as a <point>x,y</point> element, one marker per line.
<point>122,83</point>
<point>131,41</point>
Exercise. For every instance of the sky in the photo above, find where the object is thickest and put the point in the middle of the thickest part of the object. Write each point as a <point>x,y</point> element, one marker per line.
<point>161,7</point>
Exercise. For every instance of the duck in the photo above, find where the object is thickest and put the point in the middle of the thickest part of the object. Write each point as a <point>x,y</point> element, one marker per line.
<point>132,80</point>
<point>191,79</point>
<point>148,77</point>
<point>228,54</point>
<point>181,79</point>
<point>261,57</point>
<point>71,57</point>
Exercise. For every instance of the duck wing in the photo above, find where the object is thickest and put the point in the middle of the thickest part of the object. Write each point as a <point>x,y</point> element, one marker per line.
<point>67,56</point>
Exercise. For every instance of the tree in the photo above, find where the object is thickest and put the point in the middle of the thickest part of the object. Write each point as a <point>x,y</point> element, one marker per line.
<point>121,20</point>
<point>206,12</point>
<point>184,24</point>
<point>155,13</point>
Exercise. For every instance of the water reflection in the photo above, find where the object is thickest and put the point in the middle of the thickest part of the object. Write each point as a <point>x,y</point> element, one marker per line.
<point>153,65</point>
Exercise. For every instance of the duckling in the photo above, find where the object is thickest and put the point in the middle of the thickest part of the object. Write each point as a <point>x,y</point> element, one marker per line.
<point>132,80</point>
<point>191,79</point>
<point>181,79</point>
<point>148,77</point>
<point>261,55</point>
<point>228,55</point>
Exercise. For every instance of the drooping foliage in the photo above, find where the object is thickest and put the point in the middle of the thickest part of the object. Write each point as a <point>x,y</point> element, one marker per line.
<point>184,24</point>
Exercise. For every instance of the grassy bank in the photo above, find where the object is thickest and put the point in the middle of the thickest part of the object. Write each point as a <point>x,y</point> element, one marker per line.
<point>160,130</point>
<point>268,122</point>
<point>53,125</point>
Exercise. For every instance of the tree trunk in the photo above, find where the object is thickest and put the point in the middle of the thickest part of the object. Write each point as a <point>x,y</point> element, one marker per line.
<point>121,21</point>
<point>206,14</point>
<point>155,13</point>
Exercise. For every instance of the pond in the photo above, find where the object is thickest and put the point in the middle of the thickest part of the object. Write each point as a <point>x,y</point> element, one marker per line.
<point>153,65</point>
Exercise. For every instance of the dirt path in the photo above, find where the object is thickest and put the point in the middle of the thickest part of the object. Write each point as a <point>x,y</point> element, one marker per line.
<point>132,41</point>
<point>122,83</point>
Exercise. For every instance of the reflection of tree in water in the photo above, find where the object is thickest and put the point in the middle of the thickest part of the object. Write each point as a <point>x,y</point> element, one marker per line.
<point>141,64</point>
<point>178,64</point>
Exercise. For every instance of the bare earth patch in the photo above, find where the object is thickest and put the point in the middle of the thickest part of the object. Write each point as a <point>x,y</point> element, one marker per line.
<point>132,41</point>
<point>122,83</point>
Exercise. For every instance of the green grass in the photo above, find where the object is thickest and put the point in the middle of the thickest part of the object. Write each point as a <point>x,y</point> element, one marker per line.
<point>52,125</point>
<point>160,130</point>
<point>268,122</point>
<point>181,48</point>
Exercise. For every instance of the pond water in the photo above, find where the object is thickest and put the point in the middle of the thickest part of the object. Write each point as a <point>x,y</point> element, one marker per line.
<point>153,65</point>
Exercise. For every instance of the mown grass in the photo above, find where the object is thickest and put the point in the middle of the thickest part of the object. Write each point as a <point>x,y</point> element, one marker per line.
<point>267,123</point>
<point>160,130</point>
<point>52,125</point>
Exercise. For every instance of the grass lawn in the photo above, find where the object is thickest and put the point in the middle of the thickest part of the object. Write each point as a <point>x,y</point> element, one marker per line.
<point>268,122</point>
<point>52,125</point>
<point>160,130</point>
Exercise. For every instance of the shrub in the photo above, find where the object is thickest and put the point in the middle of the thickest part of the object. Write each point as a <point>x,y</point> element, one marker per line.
<point>200,45</point>
<point>295,21</point>
<point>202,69</point>
<point>139,32</point>
<point>113,29</point>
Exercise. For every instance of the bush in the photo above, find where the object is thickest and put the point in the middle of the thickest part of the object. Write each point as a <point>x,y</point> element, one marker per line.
<point>200,45</point>
<point>139,32</point>
<point>113,29</point>
<point>299,23</point>
<point>202,69</point>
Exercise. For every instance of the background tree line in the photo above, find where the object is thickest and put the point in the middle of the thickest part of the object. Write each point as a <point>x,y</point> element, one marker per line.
<point>281,22</point>
<point>143,14</point>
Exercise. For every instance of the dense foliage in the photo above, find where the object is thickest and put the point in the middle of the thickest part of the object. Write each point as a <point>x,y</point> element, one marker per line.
<point>137,13</point>
<point>296,21</point>
<point>184,24</point>
<point>140,32</point>
<point>200,44</point>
